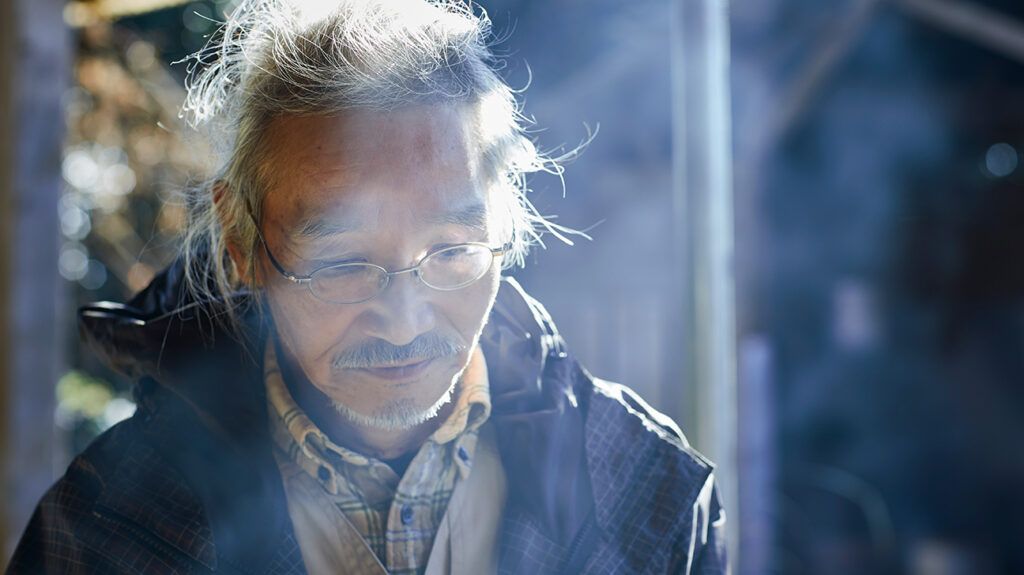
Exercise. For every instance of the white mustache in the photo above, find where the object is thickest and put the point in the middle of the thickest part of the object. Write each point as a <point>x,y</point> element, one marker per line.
<point>379,353</point>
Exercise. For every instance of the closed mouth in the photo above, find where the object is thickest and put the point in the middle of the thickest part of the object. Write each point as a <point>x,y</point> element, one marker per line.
<point>397,372</point>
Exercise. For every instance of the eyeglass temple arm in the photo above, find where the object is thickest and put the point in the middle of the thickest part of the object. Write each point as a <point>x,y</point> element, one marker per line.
<point>502,249</point>
<point>273,261</point>
<point>280,269</point>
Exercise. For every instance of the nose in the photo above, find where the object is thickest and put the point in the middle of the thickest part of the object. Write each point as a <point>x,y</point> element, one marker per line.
<point>402,311</point>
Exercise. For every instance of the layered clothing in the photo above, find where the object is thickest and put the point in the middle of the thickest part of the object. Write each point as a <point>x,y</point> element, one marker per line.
<point>596,481</point>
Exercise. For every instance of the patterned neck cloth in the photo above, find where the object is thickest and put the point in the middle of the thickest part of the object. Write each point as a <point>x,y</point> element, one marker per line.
<point>397,517</point>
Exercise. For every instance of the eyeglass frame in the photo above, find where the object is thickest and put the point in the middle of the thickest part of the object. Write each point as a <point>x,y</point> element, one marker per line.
<point>307,280</point>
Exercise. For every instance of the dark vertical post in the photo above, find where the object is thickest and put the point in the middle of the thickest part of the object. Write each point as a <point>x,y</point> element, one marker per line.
<point>36,56</point>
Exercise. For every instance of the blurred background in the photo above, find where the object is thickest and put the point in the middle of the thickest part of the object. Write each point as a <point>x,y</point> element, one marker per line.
<point>808,245</point>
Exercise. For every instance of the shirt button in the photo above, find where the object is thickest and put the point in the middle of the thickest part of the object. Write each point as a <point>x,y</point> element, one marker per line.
<point>463,454</point>
<point>406,515</point>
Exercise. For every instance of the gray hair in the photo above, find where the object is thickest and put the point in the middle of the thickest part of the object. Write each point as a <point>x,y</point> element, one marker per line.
<point>296,57</point>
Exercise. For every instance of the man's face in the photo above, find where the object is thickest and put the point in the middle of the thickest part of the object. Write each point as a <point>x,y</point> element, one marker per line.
<point>384,188</point>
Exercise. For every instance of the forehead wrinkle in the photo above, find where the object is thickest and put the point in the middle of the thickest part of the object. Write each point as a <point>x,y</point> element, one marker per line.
<point>321,224</point>
<point>287,155</point>
<point>320,227</point>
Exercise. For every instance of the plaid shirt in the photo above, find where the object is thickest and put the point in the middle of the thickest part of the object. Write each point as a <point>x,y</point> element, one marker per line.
<point>396,517</point>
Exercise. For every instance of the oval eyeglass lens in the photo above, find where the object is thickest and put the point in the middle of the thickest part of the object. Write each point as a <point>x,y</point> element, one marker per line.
<point>456,266</point>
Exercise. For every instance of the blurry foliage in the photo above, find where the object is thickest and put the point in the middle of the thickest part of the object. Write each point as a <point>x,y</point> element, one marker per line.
<point>81,395</point>
<point>123,165</point>
<point>126,162</point>
<point>86,406</point>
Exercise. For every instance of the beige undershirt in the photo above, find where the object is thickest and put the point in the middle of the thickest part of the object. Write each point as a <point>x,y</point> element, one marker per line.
<point>466,542</point>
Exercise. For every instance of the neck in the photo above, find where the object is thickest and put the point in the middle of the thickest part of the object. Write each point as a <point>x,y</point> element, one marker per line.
<point>373,442</point>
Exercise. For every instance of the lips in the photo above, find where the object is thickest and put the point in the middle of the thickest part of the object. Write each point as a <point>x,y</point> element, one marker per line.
<point>399,372</point>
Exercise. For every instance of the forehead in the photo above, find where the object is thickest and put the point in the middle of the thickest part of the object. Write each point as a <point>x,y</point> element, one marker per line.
<point>366,169</point>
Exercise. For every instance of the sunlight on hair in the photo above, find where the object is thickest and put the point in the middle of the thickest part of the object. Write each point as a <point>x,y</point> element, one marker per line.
<point>312,11</point>
<point>492,112</point>
<point>279,57</point>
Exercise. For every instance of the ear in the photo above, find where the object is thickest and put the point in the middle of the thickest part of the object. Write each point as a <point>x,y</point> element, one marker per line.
<point>220,191</point>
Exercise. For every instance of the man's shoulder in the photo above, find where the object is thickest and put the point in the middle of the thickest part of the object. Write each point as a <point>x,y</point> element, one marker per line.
<point>640,459</point>
<point>620,419</point>
<point>84,523</point>
<point>91,470</point>
<point>148,494</point>
<point>653,492</point>
<point>120,464</point>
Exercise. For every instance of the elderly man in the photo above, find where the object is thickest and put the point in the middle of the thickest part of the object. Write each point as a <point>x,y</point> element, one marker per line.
<point>334,378</point>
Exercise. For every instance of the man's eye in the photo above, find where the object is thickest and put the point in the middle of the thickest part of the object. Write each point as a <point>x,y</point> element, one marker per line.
<point>340,261</point>
<point>452,252</point>
<point>342,271</point>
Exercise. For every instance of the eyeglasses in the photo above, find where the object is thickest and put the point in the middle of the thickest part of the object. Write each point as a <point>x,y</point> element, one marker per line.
<point>446,269</point>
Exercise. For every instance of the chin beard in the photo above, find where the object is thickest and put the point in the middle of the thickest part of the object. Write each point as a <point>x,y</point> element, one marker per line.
<point>398,415</point>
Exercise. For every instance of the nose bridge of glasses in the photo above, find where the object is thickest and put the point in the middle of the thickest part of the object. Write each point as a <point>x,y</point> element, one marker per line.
<point>414,270</point>
<point>388,275</point>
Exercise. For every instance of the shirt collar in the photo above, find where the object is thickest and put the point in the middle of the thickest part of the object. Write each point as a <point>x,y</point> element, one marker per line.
<point>310,447</point>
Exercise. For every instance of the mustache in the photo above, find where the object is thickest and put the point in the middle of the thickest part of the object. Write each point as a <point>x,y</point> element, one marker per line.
<point>379,353</point>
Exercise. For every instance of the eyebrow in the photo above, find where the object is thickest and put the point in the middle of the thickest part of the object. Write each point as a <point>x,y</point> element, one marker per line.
<point>471,216</point>
<point>320,227</point>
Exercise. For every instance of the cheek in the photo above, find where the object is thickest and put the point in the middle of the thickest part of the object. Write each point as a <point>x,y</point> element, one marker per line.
<point>307,328</point>
<point>467,309</point>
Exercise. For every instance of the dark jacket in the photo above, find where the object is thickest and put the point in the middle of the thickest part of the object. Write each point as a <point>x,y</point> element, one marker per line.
<point>598,481</point>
